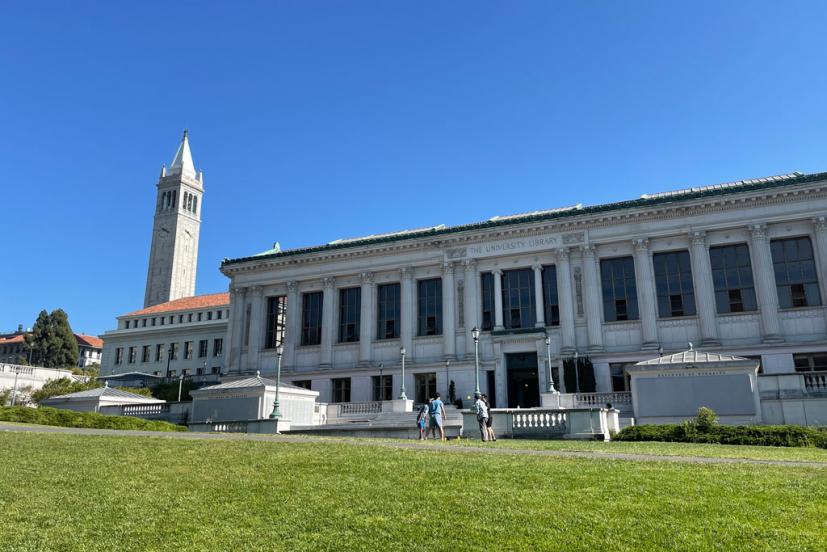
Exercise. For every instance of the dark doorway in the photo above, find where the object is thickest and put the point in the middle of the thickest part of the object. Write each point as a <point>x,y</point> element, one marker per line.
<point>522,379</point>
<point>492,389</point>
<point>425,386</point>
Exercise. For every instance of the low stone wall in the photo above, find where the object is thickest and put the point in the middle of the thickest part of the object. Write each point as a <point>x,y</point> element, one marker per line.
<point>546,423</point>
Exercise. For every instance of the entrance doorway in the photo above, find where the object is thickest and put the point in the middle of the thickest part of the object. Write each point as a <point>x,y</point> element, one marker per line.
<point>491,386</point>
<point>425,386</point>
<point>522,379</point>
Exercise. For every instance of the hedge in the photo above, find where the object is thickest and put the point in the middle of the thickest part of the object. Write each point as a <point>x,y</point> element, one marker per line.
<point>69,418</point>
<point>689,432</point>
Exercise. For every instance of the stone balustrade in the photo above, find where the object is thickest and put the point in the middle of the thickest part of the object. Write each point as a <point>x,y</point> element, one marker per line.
<point>144,409</point>
<point>815,383</point>
<point>545,422</point>
<point>339,410</point>
<point>615,398</point>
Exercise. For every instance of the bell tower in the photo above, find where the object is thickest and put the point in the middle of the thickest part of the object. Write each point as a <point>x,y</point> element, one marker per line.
<point>173,257</point>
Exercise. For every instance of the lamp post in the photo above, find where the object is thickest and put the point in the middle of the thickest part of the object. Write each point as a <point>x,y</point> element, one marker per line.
<point>169,357</point>
<point>551,388</point>
<point>576,372</point>
<point>180,384</point>
<point>402,395</point>
<point>14,390</point>
<point>381,395</point>
<point>448,377</point>
<point>475,333</point>
<point>276,412</point>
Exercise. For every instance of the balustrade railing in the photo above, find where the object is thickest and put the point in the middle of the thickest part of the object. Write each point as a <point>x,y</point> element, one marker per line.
<point>599,400</point>
<point>815,382</point>
<point>229,427</point>
<point>538,421</point>
<point>358,408</point>
<point>144,409</point>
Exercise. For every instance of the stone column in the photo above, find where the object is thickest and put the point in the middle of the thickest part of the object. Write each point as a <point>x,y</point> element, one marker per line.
<point>565,297</point>
<point>820,234</point>
<point>647,303</point>
<point>234,330</point>
<point>539,299</point>
<point>472,298</point>
<point>592,299</point>
<point>293,328</point>
<point>367,322</point>
<point>704,289</point>
<point>256,323</point>
<point>449,314</point>
<point>765,285</point>
<point>328,321</point>
<point>498,300</point>
<point>408,311</point>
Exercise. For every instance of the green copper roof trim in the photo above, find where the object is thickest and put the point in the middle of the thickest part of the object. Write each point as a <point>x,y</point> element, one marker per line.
<point>593,209</point>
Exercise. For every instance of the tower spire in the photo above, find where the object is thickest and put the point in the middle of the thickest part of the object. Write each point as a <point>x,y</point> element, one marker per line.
<point>182,163</point>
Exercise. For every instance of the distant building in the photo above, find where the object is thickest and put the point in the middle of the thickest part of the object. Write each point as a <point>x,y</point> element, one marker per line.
<point>13,348</point>
<point>90,349</point>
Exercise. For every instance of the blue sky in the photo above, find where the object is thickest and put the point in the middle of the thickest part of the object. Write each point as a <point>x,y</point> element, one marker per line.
<point>314,121</point>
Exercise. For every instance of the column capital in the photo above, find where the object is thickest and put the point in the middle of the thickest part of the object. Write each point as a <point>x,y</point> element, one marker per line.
<point>820,223</point>
<point>537,267</point>
<point>470,264</point>
<point>407,272</point>
<point>588,250</point>
<point>563,253</point>
<point>641,244</point>
<point>238,291</point>
<point>497,271</point>
<point>758,231</point>
<point>367,277</point>
<point>257,291</point>
<point>698,237</point>
<point>448,266</point>
<point>329,281</point>
<point>292,285</point>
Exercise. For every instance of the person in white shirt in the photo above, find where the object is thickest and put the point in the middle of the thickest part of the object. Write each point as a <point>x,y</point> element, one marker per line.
<point>482,415</point>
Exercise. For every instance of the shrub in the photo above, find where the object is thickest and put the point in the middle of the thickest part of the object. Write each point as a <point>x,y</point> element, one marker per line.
<point>69,418</point>
<point>689,432</point>
<point>706,419</point>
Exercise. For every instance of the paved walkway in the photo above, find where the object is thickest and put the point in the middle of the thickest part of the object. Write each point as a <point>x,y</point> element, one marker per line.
<point>409,445</point>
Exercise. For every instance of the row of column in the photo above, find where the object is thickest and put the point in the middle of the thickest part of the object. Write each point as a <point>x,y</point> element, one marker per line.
<point>592,301</point>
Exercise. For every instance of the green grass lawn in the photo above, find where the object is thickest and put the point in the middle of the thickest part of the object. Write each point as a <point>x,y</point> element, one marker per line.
<point>66,492</point>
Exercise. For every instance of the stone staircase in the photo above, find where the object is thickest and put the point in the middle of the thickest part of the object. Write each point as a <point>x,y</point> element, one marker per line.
<point>386,424</point>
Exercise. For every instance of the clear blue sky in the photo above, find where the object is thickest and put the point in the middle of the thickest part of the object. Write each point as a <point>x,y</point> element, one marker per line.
<point>319,120</point>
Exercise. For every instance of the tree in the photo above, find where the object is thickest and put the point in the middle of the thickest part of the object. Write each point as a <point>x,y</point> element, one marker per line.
<point>52,343</point>
<point>62,386</point>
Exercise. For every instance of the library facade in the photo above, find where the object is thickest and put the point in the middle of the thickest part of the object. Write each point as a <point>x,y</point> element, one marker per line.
<point>739,268</point>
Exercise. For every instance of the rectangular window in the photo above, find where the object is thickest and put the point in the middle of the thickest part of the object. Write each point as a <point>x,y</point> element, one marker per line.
<point>340,390</point>
<point>732,277</point>
<point>153,321</point>
<point>132,354</point>
<point>810,362</point>
<point>189,317</point>
<point>218,314</point>
<point>218,347</point>
<point>312,318</point>
<point>620,379</point>
<point>388,317</point>
<point>145,353</point>
<point>163,318</point>
<point>180,318</point>
<point>382,387</point>
<point>173,351</point>
<point>247,315</point>
<point>209,315</point>
<point>159,352</point>
<point>430,306</point>
<point>487,287</point>
<point>119,355</point>
<point>304,384</point>
<point>187,350</point>
<point>200,315</point>
<point>518,299</point>
<point>795,273</point>
<point>276,321</point>
<point>619,290</point>
<point>203,347</point>
<point>551,303</point>
<point>673,282</point>
<point>350,302</point>
<point>143,323</point>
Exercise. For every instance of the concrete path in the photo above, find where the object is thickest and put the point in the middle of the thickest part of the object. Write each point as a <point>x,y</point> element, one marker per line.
<point>416,445</point>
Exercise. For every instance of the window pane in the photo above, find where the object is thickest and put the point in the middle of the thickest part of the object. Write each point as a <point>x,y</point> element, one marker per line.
<point>795,273</point>
<point>619,290</point>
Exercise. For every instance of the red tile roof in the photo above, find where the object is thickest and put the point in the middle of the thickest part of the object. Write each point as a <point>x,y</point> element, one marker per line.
<point>186,303</point>
<point>12,339</point>
<point>89,341</point>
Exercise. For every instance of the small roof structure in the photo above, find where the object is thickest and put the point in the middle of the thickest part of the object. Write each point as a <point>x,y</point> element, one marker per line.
<point>107,394</point>
<point>249,383</point>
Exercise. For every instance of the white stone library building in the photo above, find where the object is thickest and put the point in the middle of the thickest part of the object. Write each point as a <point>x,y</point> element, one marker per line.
<point>739,268</point>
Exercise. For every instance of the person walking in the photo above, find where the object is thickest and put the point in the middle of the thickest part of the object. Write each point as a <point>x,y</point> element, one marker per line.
<point>489,423</point>
<point>422,422</point>
<point>438,416</point>
<point>482,415</point>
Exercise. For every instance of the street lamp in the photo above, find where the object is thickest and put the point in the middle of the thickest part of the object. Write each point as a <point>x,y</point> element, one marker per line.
<point>551,388</point>
<point>475,333</point>
<point>276,413</point>
<point>402,395</point>
<point>448,377</point>
<point>576,372</point>
<point>14,390</point>
<point>180,383</point>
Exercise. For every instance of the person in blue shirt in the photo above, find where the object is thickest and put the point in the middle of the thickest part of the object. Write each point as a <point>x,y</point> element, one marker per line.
<point>437,416</point>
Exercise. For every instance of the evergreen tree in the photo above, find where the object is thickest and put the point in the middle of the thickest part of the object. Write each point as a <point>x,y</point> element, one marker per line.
<point>52,342</point>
